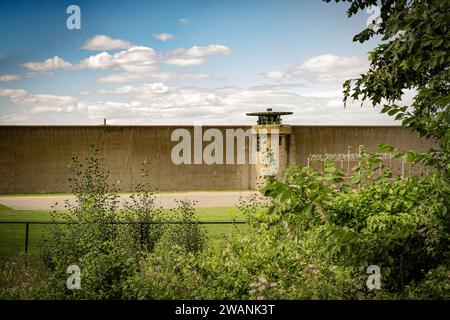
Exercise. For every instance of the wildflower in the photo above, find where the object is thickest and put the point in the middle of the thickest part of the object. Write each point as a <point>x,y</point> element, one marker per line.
<point>262,280</point>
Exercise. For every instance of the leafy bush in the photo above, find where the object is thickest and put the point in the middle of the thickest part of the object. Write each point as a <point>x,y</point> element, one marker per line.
<point>264,264</point>
<point>90,220</point>
<point>21,278</point>
<point>312,239</point>
<point>401,225</point>
<point>184,229</point>
<point>100,239</point>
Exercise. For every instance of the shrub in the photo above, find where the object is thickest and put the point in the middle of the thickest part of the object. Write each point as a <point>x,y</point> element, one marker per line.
<point>184,230</point>
<point>22,277</point>
<point>107,251</point>
<point>401,225</point>
<point>313,239</point>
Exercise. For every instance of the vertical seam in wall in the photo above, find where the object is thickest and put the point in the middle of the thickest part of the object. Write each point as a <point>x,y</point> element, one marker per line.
<point>131,156</point>
<point>14,166</point>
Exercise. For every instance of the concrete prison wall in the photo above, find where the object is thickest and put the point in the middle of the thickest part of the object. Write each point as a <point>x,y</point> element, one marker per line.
<point>34,159</point>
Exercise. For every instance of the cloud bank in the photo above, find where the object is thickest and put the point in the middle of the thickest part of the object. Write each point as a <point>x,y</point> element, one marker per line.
<point>102,42</point>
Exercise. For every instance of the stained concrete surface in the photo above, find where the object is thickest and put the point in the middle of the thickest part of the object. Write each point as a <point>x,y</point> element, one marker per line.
<point>34,159</point>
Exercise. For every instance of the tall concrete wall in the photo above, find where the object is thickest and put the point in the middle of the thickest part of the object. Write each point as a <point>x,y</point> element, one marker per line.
<point>336,139</point>
<point>34,159</point>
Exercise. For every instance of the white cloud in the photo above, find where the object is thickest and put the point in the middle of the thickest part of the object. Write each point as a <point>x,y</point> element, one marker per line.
<point>156,103</point>
<point>9,77</point>
<point>38,102</point>
<point>133,63</point>
<point>47,65</point>
<point>275,74</point>
<point>102,42</point>
<point>100,109</point>
<point>100,61</point>
<point>119,77</point>
<point>182,62</point>
<point>134,59</point>
<point>190,75</point>
<point>126,77</point>
<point>183,21</point>
<point>195,55</point>
<point>335,103</point>
<point>325,69</point>
<point>143,90</point>
<point>154,74</point>
<point>163,37</point>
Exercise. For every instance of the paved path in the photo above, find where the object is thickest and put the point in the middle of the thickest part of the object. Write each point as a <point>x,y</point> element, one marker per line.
<point>209,199</point>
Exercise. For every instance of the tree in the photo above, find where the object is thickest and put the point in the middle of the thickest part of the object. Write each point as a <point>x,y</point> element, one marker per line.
<point>413,55</point>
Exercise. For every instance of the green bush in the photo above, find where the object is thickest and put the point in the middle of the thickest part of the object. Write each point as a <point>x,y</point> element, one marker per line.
<point>101,242</point>
<point>22,278</point>
<point>265,264</point>
<point>314,239</point>
<point>400,224</point>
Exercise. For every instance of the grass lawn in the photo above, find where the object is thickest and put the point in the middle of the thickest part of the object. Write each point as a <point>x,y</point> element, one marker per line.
<point>12,236</point>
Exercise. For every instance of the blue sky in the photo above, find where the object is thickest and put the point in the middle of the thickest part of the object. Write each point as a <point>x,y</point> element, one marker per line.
<point>177,62</point>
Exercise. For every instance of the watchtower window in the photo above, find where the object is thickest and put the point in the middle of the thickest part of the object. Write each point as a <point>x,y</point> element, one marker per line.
<point>269,119</point>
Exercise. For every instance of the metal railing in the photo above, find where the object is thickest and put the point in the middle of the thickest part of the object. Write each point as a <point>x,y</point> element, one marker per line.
<point>141,223</point>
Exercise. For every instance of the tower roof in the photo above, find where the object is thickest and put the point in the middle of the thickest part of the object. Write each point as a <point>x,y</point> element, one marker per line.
<point>269,116</point>
<point>269,112</point>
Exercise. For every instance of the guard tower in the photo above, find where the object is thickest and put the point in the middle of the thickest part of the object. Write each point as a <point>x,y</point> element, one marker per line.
<point>273,144</point>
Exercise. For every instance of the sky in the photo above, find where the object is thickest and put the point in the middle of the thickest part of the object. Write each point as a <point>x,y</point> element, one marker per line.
<point>180,62</point>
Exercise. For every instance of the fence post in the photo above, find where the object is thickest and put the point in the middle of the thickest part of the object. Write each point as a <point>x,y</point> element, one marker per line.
<point>26,236</point>
<point>403,166</point>
<point>142,233</point>
<point>348,160</point>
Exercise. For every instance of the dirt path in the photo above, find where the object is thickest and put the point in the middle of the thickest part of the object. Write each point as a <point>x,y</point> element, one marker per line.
<point>208,199</point>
